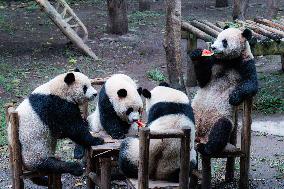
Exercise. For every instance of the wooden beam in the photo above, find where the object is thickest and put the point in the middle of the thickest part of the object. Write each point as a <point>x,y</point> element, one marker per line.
<point>206,173</point>
<point>200,34</point>
<point>143,173</point>
<point>205,28</point>
<point>105,173</point>
<point>211,25</point>
<point>170,133</point>
<point>245,144</point>
<point>269,23</point>
<point>184,159</point>
<point>268,28</point>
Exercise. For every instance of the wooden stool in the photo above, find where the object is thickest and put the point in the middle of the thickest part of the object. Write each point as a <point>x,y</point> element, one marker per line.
<point>18,172</point>
<point>143,173</point>
<point>243,152</point>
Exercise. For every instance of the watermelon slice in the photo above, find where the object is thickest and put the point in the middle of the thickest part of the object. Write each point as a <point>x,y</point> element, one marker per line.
<point>140,123</point>
<point>207,52</point>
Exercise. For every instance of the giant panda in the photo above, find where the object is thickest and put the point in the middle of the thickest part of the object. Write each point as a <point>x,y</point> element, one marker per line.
<point>119,106</point>
<point>166,108</point>
<point>225,79</point>
<point>52,112</point>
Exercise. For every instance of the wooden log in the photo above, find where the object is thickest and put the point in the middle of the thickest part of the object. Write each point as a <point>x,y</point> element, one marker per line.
<point>221,3</point>
<point>117,17</point>
<point>260,30</point>
<point>11,165</point>
<point>144,5</point>
<point>268,28</point>
<point>143,173</point>
<point>239,9</point>
<point>205,28</point>
<point>269,23</point>
<point>57,181</point>
<point>191,45</point>
<point>282,61</point>
<point>256,35</point>
<point>200,34</point>
<point>245,144</point>
<point>105,173</point>
<point>230,165</point>
<point>65,27</point>
<point>211,25</point>
<point>184,159</point>
<point>206,173</point>
<point>169,133</point>
<point>90,168</point>
<point>98,81</point>
<point>172,44</point>
<point>17,155</point>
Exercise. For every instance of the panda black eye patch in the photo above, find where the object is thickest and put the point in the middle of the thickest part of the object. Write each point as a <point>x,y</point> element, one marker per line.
<point>129,110</point>
<point>85,89</point>
<point>225,43</point>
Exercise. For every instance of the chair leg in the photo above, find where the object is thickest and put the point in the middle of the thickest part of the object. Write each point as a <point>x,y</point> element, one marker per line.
<point>50,181</point>
<point>11,165</point>
<point>206,173</point>
<point>57,181</point>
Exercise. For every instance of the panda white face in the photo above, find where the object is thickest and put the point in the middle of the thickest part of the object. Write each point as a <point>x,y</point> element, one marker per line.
<point>229,44</point>
<point>124,96</point>
<point>79,88</point>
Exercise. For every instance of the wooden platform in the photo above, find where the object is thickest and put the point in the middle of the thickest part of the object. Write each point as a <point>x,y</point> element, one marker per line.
<point>153,184</point>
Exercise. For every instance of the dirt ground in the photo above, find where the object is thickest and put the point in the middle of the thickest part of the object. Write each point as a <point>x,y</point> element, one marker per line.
<point>33,50</point>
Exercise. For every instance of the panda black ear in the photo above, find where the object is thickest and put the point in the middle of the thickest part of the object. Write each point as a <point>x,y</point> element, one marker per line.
<point>247,34</point>
<point>122,93</point>
<point>226,27</point>
<point>77,70</point>
<point>146,93</point>
<point>69,78</point>
<point>139,90</point>
<point>164,84</point>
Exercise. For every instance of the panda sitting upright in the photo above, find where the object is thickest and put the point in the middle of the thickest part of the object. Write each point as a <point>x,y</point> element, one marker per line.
<point>167,109</point>
<point>226,79</point>
<point>119,106</point>
<point>52,112</point>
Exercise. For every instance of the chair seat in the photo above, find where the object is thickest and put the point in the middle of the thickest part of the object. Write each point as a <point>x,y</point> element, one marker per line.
<point>153,183</point>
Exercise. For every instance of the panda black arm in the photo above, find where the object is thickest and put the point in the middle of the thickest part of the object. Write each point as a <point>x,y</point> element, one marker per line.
<point>79,133</point>
<point>202,67</point>
<point>248,86</point>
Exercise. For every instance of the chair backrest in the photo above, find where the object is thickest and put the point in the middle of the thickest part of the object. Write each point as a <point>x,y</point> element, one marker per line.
<point>144,141</point>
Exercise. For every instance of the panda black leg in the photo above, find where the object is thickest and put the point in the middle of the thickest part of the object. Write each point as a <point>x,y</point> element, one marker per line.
<point>54,165</point>
<point>40,181</point>
<point>79,151</point>
<point>218,138</point>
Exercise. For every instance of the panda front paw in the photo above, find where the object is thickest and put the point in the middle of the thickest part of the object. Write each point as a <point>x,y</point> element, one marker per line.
<point>76,169</point>
<point>98,141</point>
<point>196,54</point>
<point>201,149</point>
<point>235,99</point>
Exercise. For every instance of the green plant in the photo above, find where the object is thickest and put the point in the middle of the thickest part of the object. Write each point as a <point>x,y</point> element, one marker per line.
<point>156,75</point>
<point>270,98</point>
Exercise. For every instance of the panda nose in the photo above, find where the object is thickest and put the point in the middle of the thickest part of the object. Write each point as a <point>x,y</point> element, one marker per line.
<point>95,94</point>
<point>135,119</point>
<point>213,48</point>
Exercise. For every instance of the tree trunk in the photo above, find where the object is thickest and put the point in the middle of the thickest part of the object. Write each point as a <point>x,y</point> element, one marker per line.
<point>272,8</point>
<point>239,9</point>
<point>144,5</point>
<point>173,44</point>
<point>117,17</point>
<point>221,3</point>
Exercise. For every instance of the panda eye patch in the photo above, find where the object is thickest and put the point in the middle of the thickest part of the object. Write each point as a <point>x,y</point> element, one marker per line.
<point>85,89</point>
<point>225,43</point>
<point>129,110</point>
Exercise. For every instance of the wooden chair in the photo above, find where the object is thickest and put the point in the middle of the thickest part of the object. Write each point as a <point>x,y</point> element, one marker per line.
<point>243,152</point>
<point>18,172</point>
<point>143,173</point>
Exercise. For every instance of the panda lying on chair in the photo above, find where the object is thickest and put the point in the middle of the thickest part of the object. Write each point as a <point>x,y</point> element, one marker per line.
<point>166,108</point>
<point>52,112</point>
<point>226,79</point>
